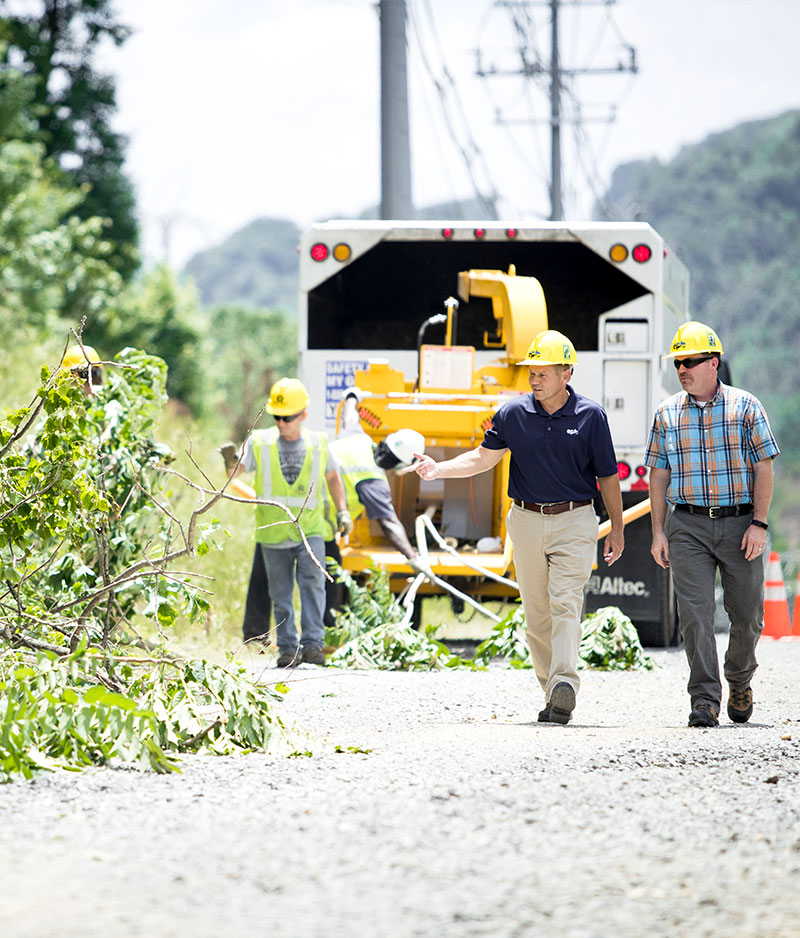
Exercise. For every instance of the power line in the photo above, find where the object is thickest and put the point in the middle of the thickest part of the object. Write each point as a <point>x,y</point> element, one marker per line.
<point>535,67</point>
<point>463,139</point>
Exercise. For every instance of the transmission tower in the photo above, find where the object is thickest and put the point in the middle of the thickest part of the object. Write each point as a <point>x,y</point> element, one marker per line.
<point>534,68</point>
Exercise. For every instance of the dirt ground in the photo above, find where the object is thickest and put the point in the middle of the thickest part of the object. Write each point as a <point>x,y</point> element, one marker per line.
<point>448,811</point>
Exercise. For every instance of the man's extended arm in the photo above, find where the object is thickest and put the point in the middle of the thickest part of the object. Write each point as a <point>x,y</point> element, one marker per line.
<point>462,466</point>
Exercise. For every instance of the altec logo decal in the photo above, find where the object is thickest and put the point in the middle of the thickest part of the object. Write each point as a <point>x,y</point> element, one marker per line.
<point>616,586</point>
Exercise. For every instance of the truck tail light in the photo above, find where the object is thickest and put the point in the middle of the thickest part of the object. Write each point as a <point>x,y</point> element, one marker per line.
<point>641,253</point>
<point>447,233</point>
<point>319,251</point>
<point>479,233</point>
<point>623,470</point>
<point>341,251</point>
<point>511,233</point>
<point>618,253</point>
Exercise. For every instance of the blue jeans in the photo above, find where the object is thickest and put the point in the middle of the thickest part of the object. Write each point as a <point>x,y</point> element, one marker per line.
<point>283,565</point>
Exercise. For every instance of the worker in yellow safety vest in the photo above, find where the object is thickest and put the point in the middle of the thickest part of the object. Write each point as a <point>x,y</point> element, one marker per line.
<point>293,465</point>
<point>363,466</point>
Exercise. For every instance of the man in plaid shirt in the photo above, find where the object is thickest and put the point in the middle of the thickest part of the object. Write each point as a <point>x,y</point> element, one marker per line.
<point>710,453</point>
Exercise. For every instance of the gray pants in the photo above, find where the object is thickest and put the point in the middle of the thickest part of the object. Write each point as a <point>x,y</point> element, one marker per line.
<point>697,547</point>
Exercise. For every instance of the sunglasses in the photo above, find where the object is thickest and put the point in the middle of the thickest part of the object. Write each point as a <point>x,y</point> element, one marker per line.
<point>280,418</point>
<point>691,362</point>
<point>83,373</point>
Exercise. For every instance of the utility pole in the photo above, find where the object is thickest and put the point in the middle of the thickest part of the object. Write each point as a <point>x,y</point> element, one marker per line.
<point>556,205</point>
<point>395,142</point>
<point>535,69</point>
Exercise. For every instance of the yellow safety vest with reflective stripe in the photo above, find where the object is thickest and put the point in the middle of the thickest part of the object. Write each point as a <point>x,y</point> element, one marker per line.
<point>354,453</point>
<point>270,483</point>
<point>356,463</point>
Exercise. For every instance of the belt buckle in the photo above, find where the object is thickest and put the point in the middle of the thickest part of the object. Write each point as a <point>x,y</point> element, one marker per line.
<point>546,505</point>
<point>712,512</point>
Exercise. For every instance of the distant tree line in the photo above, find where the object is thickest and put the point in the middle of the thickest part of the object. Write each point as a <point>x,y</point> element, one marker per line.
<point>69,236</point>
<point>730,207</point>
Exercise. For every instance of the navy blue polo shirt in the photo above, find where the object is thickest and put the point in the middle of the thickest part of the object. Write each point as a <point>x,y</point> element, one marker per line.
<point>554,457</point>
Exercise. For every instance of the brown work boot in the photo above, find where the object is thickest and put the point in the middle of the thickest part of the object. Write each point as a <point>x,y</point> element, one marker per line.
<point>314,655</point>
<point>740,703</point>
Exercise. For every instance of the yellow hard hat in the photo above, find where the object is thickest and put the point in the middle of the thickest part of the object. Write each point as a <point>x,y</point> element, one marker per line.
<point>77,357</point>
<point>550,348</point>
<point>694,338</point>
<point>287,397</point>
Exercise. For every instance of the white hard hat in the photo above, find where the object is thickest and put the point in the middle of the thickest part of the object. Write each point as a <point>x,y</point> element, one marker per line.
<point>404,443</point>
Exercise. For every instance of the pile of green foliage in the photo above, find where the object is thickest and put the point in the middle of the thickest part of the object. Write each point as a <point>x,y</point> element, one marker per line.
<point>609,642</point>
<point>507,641</point>
<point>91,707</point>
<point>370,632</point>
<point>90,533</point>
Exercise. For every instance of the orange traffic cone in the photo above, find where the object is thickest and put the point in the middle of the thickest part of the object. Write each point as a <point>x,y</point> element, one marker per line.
<point>776,605</point>
<point>796,619</point>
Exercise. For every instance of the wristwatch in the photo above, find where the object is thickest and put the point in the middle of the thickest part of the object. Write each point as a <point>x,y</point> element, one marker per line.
<point>760,524</point>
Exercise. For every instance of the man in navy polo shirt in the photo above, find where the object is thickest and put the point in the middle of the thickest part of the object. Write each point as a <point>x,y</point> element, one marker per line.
<point>561,451</point>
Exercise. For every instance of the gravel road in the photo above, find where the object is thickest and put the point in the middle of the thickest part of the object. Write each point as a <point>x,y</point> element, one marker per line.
<point>465,818</point>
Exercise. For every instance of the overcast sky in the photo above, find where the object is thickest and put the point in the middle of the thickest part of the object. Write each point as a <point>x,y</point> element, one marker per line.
<point>238,109</point>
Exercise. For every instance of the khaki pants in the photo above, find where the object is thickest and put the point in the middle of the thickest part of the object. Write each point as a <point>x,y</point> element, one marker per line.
<point>553,559</point>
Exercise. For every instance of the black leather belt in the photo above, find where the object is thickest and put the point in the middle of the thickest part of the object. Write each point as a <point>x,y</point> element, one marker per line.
<point>718,511</point>
<point>550,508</point>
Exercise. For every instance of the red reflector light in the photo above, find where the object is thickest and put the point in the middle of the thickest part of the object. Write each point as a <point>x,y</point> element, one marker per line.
<point>623,470</point>
<point>447,232</point>
<point>480,232</point>
<point>641,253</point>
<point>511,232</point>
<point>641,471</point>
<point>319,251</point>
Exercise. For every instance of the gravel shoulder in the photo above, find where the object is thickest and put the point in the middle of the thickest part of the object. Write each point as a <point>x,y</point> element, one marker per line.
<point>463,817</point>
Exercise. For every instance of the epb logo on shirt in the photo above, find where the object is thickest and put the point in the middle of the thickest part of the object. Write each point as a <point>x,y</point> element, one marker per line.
<point>572,432</point>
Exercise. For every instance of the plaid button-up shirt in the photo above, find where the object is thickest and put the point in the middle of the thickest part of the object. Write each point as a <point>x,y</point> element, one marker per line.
<point>710,450</point>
